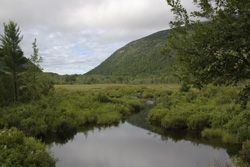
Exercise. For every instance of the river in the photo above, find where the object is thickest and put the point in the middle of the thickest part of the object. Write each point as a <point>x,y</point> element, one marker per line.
<point>134,143</point>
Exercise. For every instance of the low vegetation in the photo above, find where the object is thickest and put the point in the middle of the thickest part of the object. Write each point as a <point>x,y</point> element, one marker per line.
<point>17,150</point>
<point>64,111</point>
<point>215,52</point>
<point>213,111</point>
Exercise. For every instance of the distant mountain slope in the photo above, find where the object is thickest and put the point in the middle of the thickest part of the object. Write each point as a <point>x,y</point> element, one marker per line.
<point>141,58</point>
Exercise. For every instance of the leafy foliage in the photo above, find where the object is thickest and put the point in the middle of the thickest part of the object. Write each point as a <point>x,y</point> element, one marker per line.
<point>33,71</point>
<point>212,109</point>
<point>16,150</point>
<point>246,151</point>
<point>215,51</point>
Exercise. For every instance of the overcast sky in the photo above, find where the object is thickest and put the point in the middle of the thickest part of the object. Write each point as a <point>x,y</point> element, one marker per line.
<point>75,36</point>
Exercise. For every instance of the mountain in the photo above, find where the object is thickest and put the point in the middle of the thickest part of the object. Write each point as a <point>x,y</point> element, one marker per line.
<point>140,58</point>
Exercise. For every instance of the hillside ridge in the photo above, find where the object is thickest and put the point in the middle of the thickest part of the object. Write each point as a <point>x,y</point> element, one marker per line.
<point>142,57</point>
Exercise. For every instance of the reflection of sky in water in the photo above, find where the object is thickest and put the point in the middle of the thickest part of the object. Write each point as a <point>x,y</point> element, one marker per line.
<point>130,146</point>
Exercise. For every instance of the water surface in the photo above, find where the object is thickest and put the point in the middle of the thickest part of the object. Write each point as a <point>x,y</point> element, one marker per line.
<point>127,145</point>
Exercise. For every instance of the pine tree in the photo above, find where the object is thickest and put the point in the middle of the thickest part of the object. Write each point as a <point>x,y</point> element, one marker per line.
<point>12,54</point>
<point>34,69</point>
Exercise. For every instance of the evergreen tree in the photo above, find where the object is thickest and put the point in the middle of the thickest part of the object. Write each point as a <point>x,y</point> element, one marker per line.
<point>34,69</point>
<point>12,55</point>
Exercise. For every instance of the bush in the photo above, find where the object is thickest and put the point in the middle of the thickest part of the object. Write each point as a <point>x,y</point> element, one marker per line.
<point>16,150</point>
<point>212,133</point>
<point>191,96</point>
<point>107,114</point>
<point>243,133</point>
<point>199,121</point>
<point>156,115</point>
<point>245,153</point>
<point>184,87</point>
<point>219,133</point>
<point>174,122</point>
<point>219,119</point>
<point>209,91</point>
<point>240,125</point>
<point>132,101</point>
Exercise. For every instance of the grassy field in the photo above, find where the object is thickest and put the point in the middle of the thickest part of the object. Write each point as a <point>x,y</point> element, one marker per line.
<point>84,87</point>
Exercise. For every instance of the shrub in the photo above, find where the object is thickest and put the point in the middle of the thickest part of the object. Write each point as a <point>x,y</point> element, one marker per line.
<point>156,115</point>
<point>240,125</point>
<point>209,91</point>
<point>219,133</point>
<point>191,96</point>
<point>174,122</point>
<point>184,87</point>
<point>16,150</point>
<point>219,119</point>
<point>243,133</point>
<point>245,153</point>
<point>229,138</point>
<point>102,97</point>
<point>212,133</point>
<point>199,121</point>
<point>107,114</point>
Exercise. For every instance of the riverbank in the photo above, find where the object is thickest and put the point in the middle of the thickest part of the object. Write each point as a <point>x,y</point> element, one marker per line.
<point>213,111</point>
<point>70,108</point>
<point>62,112</point>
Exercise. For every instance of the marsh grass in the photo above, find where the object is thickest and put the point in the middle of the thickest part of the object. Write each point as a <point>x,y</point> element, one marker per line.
<point>68,108</point>
<point>212,110</point>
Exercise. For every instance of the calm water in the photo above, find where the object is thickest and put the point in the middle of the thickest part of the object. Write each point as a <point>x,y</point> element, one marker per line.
<point>128,145</point>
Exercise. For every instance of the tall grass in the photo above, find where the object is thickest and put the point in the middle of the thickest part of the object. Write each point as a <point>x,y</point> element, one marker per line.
<point>65,110</point>
<point>213,108</point>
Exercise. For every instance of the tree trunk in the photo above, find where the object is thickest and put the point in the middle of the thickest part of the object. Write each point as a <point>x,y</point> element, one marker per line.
<point>15,86</point>
<point>16,95</point>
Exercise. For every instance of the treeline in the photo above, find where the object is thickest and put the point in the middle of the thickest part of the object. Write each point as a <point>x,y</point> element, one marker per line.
<point>106,79</point>
<point>21,78</point>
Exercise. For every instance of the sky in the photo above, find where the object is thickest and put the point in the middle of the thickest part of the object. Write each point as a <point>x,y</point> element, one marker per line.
<point>75,36</point>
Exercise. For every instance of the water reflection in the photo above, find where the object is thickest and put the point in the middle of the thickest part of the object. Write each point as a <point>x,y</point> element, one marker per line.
<point>127,145</point>
<point>137,144</point>
<point>139,120</point>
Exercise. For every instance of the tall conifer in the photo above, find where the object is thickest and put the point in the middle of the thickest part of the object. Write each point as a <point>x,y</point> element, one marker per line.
<point>13,59</point>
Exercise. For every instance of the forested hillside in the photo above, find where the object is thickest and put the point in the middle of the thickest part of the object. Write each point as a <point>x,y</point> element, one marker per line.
<point>140,58</point>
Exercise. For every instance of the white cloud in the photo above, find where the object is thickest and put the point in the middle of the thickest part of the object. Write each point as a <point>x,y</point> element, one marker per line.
<point>75,36</point>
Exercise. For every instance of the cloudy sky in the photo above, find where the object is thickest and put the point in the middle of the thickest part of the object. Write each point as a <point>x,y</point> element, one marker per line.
<point>75,36</point>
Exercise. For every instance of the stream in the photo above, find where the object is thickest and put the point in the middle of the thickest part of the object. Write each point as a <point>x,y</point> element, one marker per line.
<point>135,143</point>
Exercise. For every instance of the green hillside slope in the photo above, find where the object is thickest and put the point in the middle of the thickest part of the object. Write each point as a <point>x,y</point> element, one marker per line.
<point>140,58</point>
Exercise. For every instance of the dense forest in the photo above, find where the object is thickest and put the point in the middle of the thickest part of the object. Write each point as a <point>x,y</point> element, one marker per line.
<point>77,79</point>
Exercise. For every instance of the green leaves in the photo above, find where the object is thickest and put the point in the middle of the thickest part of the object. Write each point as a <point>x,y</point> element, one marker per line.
<point>17,150</point>
<point>215,51</point>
